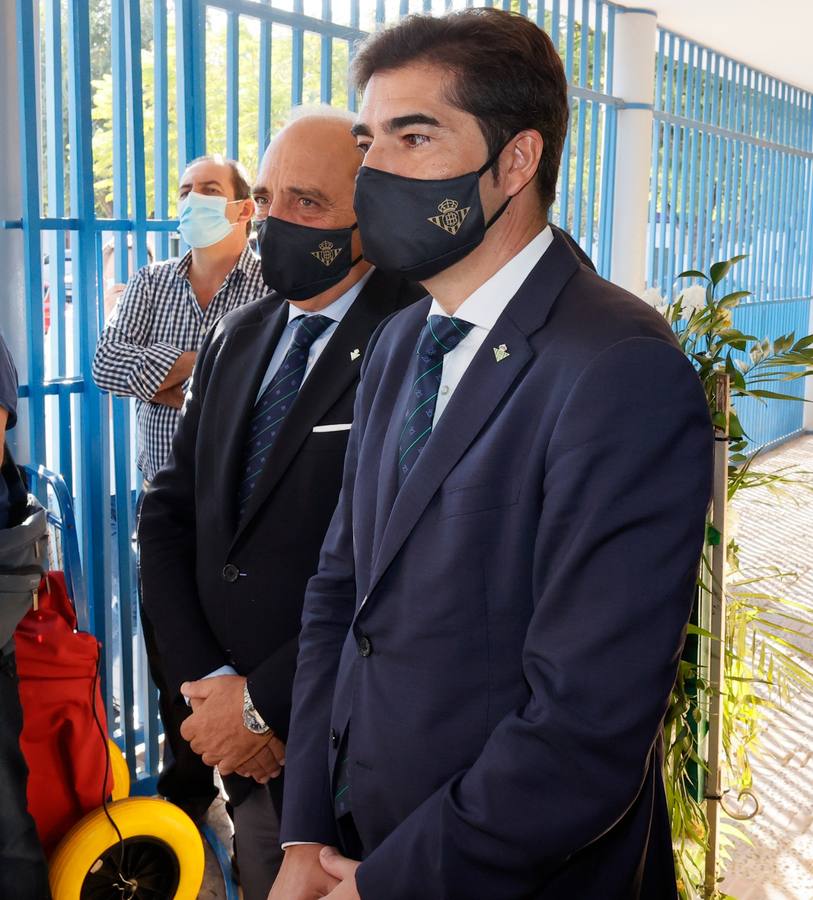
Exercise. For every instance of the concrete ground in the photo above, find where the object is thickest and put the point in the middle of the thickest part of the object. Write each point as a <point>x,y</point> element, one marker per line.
<point>778,864</point>
<point>218,820</point>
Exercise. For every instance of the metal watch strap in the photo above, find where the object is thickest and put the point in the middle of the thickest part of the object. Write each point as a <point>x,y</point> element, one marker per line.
<point>252,720</point>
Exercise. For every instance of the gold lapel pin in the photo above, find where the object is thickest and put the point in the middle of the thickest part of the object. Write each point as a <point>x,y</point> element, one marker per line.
<point>355,354</point>
<point>501,352</point>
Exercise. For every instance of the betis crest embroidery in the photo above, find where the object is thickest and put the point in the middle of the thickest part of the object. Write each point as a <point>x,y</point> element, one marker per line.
<point>450,218</point>
<point>326,253</point>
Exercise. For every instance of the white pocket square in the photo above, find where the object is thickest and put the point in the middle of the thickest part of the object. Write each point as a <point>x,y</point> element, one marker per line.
<point>346,426</point>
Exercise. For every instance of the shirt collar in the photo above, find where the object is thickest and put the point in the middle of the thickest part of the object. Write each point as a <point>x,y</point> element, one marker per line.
<point>483,307</point>
<point>241,267</point>
<point>338,308</point>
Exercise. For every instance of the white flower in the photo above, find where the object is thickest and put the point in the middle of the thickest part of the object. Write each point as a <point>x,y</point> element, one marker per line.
<point>663,307</point>
<point>694,298</point>
<point>652,297</point>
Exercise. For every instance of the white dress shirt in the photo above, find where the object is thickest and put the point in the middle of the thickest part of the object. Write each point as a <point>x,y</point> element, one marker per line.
<point>335,310</point>
<point>482,309</point>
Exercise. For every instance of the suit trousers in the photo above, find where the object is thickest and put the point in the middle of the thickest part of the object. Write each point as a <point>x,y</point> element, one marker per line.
<point>185,779</point>
<point>256,832</point>
<point>23,873</point>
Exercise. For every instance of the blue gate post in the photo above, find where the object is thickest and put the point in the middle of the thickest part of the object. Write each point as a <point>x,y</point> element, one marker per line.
<point>32,246</point>
<point>191,105</point>
<point>94,462</point>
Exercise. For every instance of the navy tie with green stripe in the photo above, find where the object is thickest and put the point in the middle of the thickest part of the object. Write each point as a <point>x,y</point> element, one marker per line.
<point>440,335</point>
<point>275,402</point>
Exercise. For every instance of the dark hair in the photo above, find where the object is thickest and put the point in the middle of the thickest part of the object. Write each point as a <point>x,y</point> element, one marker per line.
<point>239,177</point>
<point>506,73</point>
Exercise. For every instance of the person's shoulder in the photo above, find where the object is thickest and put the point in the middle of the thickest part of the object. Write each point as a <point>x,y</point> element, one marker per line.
<point>394,290</point>
<point>247,314</point>
<point>405,319</point>
<point>595,313</point>
<point>154,274</point>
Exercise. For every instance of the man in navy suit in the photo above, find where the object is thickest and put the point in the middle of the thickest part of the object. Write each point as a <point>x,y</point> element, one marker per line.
<point>490,642</point>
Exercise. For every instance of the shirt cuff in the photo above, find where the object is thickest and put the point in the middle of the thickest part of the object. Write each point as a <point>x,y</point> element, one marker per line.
<point>288,844</point>
<point>223,670</point>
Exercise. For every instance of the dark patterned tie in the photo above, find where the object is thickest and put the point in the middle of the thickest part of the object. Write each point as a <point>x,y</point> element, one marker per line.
<point>275,402</point>
<point>440,335</point>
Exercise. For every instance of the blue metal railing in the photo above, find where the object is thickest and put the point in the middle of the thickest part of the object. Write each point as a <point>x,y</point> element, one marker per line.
<point>220,76</point>
<point>733,174</point>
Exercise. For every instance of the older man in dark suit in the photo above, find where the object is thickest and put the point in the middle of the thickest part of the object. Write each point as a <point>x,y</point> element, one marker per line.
<point>490,642</point>
<point>230,529</point>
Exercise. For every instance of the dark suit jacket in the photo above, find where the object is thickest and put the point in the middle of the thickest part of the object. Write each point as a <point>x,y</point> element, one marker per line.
<point>496,642</point>
<point>221,593</point>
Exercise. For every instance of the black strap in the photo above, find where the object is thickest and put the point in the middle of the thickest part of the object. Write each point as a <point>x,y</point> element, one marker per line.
<point>17,486</point>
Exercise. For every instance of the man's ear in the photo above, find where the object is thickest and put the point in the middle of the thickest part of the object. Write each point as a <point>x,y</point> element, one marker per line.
<point>520,160</point>
<point>248,210</point>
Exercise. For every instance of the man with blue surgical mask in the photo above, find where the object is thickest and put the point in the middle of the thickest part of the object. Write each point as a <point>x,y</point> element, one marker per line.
<point>148,349</point>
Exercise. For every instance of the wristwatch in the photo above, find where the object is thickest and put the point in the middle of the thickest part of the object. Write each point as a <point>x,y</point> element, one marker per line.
<point>251,718</point>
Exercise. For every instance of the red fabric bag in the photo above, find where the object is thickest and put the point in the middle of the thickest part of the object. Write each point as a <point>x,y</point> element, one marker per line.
<point>61,741</point>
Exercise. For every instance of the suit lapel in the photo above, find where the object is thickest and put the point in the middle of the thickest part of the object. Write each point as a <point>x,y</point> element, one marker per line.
<point>249,350</point>
<point>476,397</point>
<point>332,375</point>
<point>482,388</point>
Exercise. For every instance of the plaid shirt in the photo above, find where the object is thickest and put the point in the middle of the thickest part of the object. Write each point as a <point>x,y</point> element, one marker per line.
<point>155,321</point>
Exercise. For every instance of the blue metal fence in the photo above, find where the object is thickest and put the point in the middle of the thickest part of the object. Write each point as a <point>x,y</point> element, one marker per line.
<point>144,95</point>
<point>732,174</point>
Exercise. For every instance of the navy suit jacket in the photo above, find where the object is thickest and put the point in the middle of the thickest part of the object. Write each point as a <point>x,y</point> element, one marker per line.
<point>496,642</point>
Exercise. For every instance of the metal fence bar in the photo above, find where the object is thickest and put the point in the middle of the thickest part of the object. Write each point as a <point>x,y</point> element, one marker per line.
<point>264,100</point>
<point>232,75</point>
<point>29,153</point>
<point>55,143</point>
<point>326,68</point>
<point>297,53</point>
<point>94,504</point>
<point>161,113</point>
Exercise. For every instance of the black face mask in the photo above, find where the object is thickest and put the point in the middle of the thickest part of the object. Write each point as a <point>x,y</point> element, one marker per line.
<point>419,227</point>
<point>300,262</point>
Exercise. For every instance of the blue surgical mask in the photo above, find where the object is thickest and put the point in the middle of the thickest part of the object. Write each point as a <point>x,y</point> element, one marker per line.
<point>202,219</point>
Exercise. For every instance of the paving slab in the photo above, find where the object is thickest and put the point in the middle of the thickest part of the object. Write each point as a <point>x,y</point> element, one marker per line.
<point>778,862</point>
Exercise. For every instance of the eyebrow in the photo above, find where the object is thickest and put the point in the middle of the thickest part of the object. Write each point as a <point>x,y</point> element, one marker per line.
<point>309,192</point>
<point>259,189</point>
<point>396,124</point>
<point>188,184</point>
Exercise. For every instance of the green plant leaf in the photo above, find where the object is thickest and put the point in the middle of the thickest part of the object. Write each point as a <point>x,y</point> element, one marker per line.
<point>693,273</point>
<point>720,269</point>
<point>772,395</point>
<point>731,300</point>
<point>804,342</point>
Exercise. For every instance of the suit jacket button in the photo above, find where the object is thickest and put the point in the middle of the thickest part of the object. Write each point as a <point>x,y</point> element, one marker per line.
<point>334,738</point>
<point>230,572</point>
<point>365,645</point>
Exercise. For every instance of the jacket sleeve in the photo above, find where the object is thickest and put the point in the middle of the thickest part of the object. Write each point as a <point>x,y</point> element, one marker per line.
<point>625,494</point>
<point>270,686</point>
<point>125,362</point>
<point>166,534</point>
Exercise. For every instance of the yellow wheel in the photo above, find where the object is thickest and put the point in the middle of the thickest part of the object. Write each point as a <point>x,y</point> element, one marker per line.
<point>162,856</point>
<point>121,774</point>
